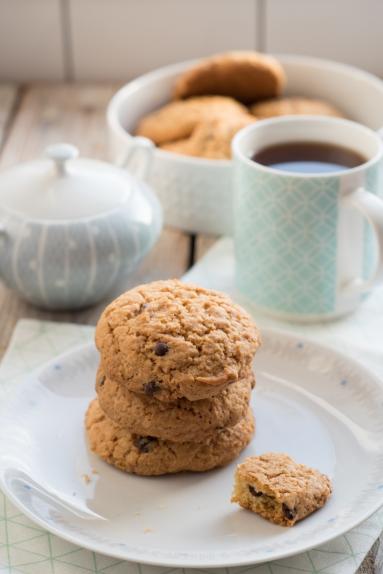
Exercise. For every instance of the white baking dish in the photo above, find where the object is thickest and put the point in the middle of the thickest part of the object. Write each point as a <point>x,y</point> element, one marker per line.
<point>196,194</point>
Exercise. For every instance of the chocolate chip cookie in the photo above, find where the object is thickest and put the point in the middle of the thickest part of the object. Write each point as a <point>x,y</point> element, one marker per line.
<point>244,76</point>
<point>177,120</point>
<point>179,421</point>
<point>150,456</point>
<point>277,488</point>
<point>294,106</point>
<point>170,340</point>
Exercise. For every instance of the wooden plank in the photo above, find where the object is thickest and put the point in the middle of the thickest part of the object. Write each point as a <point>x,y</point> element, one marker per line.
<point>49,113</point>
<point>379,555</point>
<point>8,98</point>
<point>76,114</point>
<point>373,562</point>
<point>202,244</point>
<point>167,260</point>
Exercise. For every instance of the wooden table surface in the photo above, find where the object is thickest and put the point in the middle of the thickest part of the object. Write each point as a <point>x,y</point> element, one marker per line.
<point>34,116</point>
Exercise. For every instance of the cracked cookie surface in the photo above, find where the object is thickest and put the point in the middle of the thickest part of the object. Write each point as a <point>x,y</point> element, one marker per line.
<point>149,456</point>
<point>279,489</point>
<point>170,340</point>
<point>244,75</point>
<point>178,421</point>
<point>177,120</point>
<point>211,139</point>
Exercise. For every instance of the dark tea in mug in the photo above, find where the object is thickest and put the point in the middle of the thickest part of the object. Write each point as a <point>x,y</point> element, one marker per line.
<point>309,157</point>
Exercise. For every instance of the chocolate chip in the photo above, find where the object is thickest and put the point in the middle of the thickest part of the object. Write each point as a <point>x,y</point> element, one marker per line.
<point>145,443</point>
<point>289,513</point>
<point>151,388</point>
<point>160,349</point>
<point>254,492</point>
<point>101,381</point>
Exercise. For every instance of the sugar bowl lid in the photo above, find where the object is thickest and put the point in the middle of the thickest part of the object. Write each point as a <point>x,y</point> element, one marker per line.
<point>62,186</point>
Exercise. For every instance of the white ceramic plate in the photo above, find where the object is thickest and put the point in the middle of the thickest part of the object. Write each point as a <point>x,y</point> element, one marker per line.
<point>314,404</point>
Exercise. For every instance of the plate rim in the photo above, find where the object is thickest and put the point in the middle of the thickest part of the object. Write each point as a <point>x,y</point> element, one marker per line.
<point>102,548</point>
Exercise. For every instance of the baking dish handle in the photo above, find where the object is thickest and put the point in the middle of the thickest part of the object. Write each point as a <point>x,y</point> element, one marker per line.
<point>138,158</point>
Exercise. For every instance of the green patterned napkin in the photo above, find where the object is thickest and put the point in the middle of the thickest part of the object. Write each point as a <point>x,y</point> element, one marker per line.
<point>26,548</point>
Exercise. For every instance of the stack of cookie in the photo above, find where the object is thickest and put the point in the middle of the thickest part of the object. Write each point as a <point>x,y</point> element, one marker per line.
<point>174,381</point>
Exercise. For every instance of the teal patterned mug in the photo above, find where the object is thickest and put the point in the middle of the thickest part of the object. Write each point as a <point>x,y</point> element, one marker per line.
<point>308,246</point>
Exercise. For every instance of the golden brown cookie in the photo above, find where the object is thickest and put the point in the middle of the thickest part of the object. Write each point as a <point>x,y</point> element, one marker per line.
<point>170,340</point>
<point>277,488</point>
<point>294,106</point>
<point>179,421</point>
<point>244,76</point>
<point>151,456</point>
<point>211,139</point>
<point>177,120</point>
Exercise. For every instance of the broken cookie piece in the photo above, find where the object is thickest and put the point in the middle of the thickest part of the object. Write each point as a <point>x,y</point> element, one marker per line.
<point>280,490</point>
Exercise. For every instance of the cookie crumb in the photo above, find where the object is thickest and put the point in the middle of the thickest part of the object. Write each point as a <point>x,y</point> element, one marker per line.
<point>86,478</point>
<point>94,471</point>
<point>147,530</point>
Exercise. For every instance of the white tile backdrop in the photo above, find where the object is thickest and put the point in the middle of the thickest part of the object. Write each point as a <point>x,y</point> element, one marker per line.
<point>119,39</point>
<point>350,31</point>
<point>31,44</point>
<point>115,39</point>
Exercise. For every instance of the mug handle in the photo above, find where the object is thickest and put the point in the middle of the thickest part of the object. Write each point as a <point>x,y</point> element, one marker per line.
<point>371,208</point>
<point>140,146</point>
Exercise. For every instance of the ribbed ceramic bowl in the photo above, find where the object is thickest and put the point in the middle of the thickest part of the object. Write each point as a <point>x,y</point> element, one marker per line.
<point>196,194</point>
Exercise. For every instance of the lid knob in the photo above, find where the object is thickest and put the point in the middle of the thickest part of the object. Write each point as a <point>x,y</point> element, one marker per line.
<point>60,153</point>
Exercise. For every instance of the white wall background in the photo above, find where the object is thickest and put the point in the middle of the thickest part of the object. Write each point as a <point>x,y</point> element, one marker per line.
<point>118,39</point>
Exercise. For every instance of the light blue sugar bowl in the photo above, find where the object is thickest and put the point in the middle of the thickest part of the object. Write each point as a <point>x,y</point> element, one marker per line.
<point>72,228</point>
